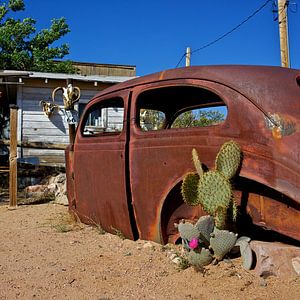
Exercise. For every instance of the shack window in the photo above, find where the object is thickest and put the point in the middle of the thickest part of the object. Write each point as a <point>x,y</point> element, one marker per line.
<point>179,107</point>
<point>104,118</point>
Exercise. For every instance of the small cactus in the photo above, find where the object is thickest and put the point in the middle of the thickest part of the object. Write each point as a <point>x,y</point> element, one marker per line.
<point>228,159</point>
<point>197,162</point>
<point>188,231</point>
<point>189,189</point>
<point>208,239</point>
<point>214,190</point>
<point>221,242</point>
<point>205,242</point>
<point>205,225</point>
<point>200,259</point>
<point>246,252</point>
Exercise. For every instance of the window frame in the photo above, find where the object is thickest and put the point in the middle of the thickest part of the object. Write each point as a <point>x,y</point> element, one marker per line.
<point>185,83</point>
<point>124,96</point>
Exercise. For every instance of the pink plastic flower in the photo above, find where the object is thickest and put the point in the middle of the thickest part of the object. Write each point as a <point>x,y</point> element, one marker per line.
<point>193,244</point>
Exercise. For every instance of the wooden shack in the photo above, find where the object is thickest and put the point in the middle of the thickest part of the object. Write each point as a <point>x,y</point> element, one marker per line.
<point>27,89</point>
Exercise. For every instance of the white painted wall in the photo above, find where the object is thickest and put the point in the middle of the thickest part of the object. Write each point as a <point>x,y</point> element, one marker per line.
<point>35,126</point>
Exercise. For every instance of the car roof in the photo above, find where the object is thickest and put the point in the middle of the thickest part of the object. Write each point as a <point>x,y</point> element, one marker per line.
<point>264,85</point>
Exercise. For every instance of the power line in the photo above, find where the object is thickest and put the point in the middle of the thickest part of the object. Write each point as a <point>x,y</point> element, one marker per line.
<point>228,32</point>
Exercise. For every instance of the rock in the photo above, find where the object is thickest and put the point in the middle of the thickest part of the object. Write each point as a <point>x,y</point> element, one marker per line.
<point>276,259</point>
<point>60,178</point>
<point>148,245</point>
<point>56,185</point>
<point>52,187</point>
<point>296,264</point>
<point>61,199</point>
<point>39,188</point>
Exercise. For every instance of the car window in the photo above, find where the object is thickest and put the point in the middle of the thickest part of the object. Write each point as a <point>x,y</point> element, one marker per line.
<point>200,117</point>
<point>104,118</point>
<point>179,107</point>
<point>151,119</point>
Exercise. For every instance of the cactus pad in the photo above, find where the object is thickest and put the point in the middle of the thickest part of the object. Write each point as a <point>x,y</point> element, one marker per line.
<point>205,225</point>
<point>199,259</point>
<point>197,162</point>
<point>246,252</point>
<point>228,159</point>
<point>214,191</point>
<point>189,189</point>
<point>221,217</point>
<point>188,231</point>
<point>222,241</point>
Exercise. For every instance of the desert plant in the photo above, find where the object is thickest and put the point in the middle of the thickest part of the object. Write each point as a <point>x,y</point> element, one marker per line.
<point>207,240</point>
<point>205,243</point>
<point>118,233</point>
<point>212,189</point>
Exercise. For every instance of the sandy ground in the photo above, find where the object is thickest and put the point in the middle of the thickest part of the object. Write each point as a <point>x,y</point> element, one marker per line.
<point>45,255</point>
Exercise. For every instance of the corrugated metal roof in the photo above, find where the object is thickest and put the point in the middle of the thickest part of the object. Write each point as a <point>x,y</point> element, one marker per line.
<point>97,78</point>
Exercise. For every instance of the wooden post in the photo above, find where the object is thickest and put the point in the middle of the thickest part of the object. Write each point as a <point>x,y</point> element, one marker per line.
<point>283,33</point>
<point>188,57</point>
<point>13,177</point>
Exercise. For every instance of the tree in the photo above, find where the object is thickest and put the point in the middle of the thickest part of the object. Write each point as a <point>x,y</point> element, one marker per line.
<point>198,118</point>
<point>154,119</point>
<point>22,48</point>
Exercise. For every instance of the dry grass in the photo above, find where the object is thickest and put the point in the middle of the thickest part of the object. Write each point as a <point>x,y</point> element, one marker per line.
<point>66,222</point>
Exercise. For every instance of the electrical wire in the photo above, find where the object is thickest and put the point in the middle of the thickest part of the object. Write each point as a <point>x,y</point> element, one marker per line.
<point>228,32</point>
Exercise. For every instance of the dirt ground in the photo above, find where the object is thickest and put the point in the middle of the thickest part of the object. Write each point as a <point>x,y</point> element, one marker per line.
<point>45,255</point>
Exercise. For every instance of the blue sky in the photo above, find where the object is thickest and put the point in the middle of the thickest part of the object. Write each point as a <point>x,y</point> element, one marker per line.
<point>153,35</point>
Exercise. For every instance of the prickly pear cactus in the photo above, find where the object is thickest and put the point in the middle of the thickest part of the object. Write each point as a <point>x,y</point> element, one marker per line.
<point>246,252</point>
<point>199,259</point>
<point>221,242</point>
<point>203,243</point>
<point>207,239</point>
<point>228,159</point>
<point>197,162</point>
<point>189,189</point>
<point>205,225</point>
<point>214,190</point>
<point>188,231</point>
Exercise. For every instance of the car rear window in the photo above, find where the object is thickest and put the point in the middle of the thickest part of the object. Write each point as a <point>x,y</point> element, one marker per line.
<point>179,107</point>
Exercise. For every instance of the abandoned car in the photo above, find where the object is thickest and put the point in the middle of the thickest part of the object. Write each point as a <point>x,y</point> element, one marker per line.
<point>134,141</point>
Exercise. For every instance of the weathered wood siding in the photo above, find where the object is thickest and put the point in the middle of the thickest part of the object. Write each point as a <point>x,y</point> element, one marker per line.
<point>35,126</point>
<point>104,69</point>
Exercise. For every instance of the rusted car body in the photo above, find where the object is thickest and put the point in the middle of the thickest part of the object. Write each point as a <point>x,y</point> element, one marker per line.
<point>129,179</point>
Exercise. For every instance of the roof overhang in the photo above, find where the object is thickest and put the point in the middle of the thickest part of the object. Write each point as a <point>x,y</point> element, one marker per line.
<point>61,76</point>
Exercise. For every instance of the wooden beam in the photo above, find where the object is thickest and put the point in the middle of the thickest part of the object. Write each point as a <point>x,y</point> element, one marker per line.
<point>37,145</point>
<point>13,177</point>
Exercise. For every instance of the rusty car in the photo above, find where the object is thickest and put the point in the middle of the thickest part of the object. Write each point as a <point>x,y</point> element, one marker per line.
<point>130,154</point>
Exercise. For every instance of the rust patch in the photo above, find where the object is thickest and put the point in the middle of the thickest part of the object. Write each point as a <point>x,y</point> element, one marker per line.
<point>279,125</point>
<point>262,208</point>
<point>161,76</point>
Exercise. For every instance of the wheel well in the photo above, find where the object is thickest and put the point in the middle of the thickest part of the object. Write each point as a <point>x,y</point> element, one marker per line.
<point>264,213</point>
<point>174,209</point>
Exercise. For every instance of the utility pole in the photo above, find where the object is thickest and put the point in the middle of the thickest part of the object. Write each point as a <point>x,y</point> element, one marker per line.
<point>188,57</point>
<point>283,32</point>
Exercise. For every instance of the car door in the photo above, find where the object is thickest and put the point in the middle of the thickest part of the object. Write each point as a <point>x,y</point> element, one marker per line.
<point>162,151</point>
<point>100,164</point>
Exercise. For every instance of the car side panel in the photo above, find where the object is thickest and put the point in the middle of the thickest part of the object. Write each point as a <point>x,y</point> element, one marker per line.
<point>160,159</point>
